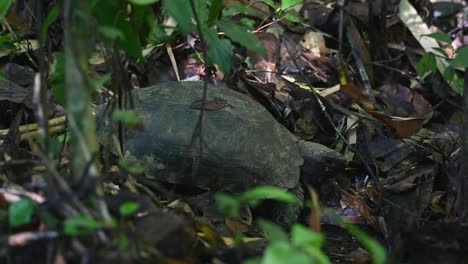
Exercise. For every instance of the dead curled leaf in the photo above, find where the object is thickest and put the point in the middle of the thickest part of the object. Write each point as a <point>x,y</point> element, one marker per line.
<point>405,111</point>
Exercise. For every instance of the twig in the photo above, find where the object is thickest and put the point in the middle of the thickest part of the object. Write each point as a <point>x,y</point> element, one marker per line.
<point>198,128</point>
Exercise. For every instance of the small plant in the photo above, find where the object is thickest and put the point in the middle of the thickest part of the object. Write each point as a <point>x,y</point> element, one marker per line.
<point>428,63</point>
<point>302,245</point>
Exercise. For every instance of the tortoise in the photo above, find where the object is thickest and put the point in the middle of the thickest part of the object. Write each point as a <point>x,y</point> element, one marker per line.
<point>243,146</point>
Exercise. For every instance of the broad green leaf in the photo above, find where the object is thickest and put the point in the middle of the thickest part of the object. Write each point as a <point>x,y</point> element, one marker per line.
<point>219,50</point>
<point>215,9</point>
<point>128,117</point>
<point>273,231</point>
<point>462,57</point>
<point>128,208</point>
<point>426,65</point>
<point>440,36</point>
<point>304,236</point>
<point>143,2</point>
<point>228,204</point>
<point>202,11</point>
<point>80,225</point>
<point>285,4</point>
<point>182,13</point>
<point>51,17</point>
<point>255,195</point>
<point>241,35</point>
<point>20,212</point>
<point>280,252</point>
<point>4,6</point>
<point>131,41</point>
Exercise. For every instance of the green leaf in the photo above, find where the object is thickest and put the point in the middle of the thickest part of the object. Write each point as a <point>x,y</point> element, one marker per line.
<point>280,252</point>
<point>219,50</point>
<point>157,35</point>
<point>377,252</point>
<point>111,33</point>
<point>57,78</point>
<point>128,117</point>
<point>285,4</point>
<point>128,208</point>
<point>20,212</point>
<point>273,231</point>
<point>292,18</point>
<point>241,35</point>
<point>133,168</point>
<point>254,196</point>
<point>440,36</point>
<point>426,65</point>
<point>449,73</point>
<point>202,10</point>
<point>182,13</point>
<point>131,42</point>
<point>143,2</point>
<point>441,52</point>
<point>304,236</point>
<point>269,3</point>
<point>80,225</point>
<point>51,17</point>
<point>228,204</point>
<point>4,6</point>
<point>236,9</point>
<point>215,9</point>
<point>461,60</point>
